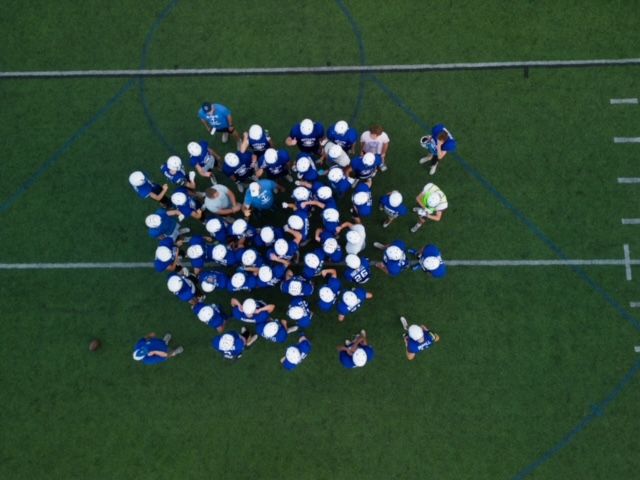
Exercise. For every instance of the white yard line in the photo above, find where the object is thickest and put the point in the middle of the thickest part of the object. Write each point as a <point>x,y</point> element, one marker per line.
<point>627,261</point>
<point>626,139</point>
<point>624,101</point>
<point>631,221</point>
<point>629,180</point>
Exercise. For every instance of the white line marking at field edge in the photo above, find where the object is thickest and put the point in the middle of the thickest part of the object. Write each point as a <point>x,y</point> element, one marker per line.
<point>629,180</point>
<point>634,304</point>
<point>628,101</point>
<point>637,349</point>
<point>626,139</point>
<point>627,259</point>
<point>631,221</point>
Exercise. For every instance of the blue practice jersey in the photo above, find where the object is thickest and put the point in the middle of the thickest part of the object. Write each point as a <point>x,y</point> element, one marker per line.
<point>304,347</point>
<point>308,143</point>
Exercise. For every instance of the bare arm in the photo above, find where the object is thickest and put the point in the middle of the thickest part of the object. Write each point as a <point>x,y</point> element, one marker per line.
<point>160,195</point>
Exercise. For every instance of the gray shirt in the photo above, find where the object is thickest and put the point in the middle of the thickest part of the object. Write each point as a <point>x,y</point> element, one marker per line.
<point>222,201</point>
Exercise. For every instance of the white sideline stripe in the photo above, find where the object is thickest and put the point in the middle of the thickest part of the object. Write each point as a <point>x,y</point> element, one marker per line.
<point>637,348</point>
<point>631,221</point>
<point>634,304</point>
<point>629,180</point>
<point>457,263</point>
<point>627,101</point>
<point>318,70</point>
<point>626,139</point>
<point>627,260</point>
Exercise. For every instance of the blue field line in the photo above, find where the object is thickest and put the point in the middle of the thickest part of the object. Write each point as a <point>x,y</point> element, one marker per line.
<point>597,412</point>
<point>66,146</point>
<point>363,59</point>
<point>143,61</point>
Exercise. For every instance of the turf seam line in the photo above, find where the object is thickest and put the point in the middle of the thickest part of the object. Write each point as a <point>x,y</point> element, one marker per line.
<point>322,69</point>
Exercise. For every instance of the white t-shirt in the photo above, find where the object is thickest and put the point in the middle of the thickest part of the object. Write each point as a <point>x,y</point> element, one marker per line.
<point>356,248</point>
<point>373,146</point>
<point>221,202</point>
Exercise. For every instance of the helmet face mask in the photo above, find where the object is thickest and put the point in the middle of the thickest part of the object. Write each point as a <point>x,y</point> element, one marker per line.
<point>293,355</point>
<point>306,126</point>
<point>153,221</point>
<point>232,160</point>
<point>395,199</point>
<point>295,288</point>
<point>164,254</point>
<point>136,179</point>
<point>416,333</point>
<point>194,149</point>
<point>341,127</point>
<point>255,132</point>
<point>174,163</point>
<point>330,245</point>
<point>353,261</point>
<point>179,199</point>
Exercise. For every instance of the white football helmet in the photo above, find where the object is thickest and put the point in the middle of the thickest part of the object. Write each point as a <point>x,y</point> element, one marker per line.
<point>207,286</point>
<point>232,160</point>
<point>206,313</point>
<point>293,355</point>
<point>301,194</point>
<point>306,126</point>
<point>164,254</point>
<point>311,260</point>
<point>153,221</point>
<point>330,245</point>
<point>195,251</point>
<point>416,333</point>
<point>326,294</point>
<point>361,198</point>
<point>136,179</point>
<point>424,141</point>
<point>174,284</point>
<point>238,280</point>
<point>265,274</point>
<point>295,288</point>
<point>324,193</point>
<point>295,313</point>
<point>255,132</point>
<point>226,342</point>
<point>431,263</point>
<point>219,252</point>
<point>174,163</point>
<point>331,215</point>
<point>341,127</point>
<point>270,329</point>
<point>295,222</point>
<point>271,156</point>
<point>434,199</point>
<point>239,226</point>
<point>249,258</point>
<point>350,298</point>
<point>214,225</point>
<point>335,174</point>
<point>281,247</point>
<point>249,306</point>
<point>395,199</point>
<point>394,253</point>
<point>360,357</point>
<point>353,237</point>
<point>266,234</point>
<point>179,199</point>
<point>303,164</point>
<point>194,149</point>
<point>353,261</point>
<point>369,159</point>
<point>335,151</point>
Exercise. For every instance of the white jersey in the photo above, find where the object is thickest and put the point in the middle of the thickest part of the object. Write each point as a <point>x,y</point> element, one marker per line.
<point>356,248</point>
<point>373,146</point>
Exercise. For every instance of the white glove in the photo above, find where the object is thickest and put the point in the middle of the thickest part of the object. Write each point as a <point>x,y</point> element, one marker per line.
<point>213,131</point>
<point>298,182</point>
<point>181,217</point>
<point>285,205</point>
<point>192,176</point>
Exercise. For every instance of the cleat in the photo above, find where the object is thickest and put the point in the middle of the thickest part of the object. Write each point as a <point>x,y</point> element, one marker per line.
<point>379,246</point>
<point>177,351</point>
<point>383,167</point>
<point>416,227</point>
<point>225,137</point>
<point>213,179</point>
<point>424,160</point>
<point>432,170</point>
<point>240,187</point>
<point>404,322</point>
<point>288,178</point>
<point>386,224</point>
<point>166,338</point>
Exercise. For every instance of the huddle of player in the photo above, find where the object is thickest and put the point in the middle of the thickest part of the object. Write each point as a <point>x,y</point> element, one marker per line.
<point>242,257</point>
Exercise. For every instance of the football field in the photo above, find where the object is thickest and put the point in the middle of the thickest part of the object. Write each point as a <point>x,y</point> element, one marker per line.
<point>536,373</point>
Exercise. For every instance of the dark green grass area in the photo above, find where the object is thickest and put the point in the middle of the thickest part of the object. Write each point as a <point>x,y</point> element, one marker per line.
<point>526,353</point>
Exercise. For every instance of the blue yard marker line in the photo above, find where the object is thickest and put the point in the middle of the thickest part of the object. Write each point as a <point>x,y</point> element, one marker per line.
<point>66,146</point>
<point>143,62</point>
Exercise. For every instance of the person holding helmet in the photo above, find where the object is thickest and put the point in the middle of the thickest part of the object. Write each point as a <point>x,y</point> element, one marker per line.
<point>307,136</point>
<point>300,312</point>
<point>417,338</point>
<point>239,167</point>
<point>356,237</point>
<point>151,350</point>
<point>217,118</point>
<point>375,141</point>
<point>392,205</point>
<point>439,143</point>
<point>161,226</point>
<point>185,288</point>
<point>275,163</point>
<point>395,259</point>
<point>258,140</point>
<point>203,158</point>
<point>356,353</point>
<point>251,311</point>
<point>351,301</point>
<point>232,345</point>
<point>358,269</point>
<point>260,195</point>
<point>295,354</point>
<point>433,202</point>
<point>334,154</point>
<point>211,315</point>
<point>343,135</point>
<point>146,188</point>
<point>275,331</point>
<point>430,261</point>
<point>174,171</point>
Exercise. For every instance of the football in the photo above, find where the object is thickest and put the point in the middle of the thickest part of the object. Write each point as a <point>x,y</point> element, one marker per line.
<point>94,345</point>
